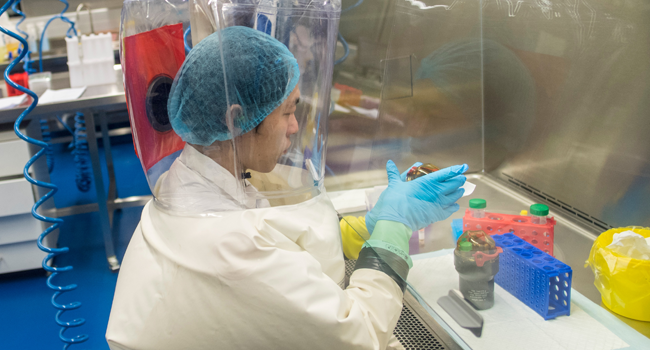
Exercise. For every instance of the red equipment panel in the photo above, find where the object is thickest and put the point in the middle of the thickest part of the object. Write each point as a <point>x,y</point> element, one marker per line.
<point>151,61</point>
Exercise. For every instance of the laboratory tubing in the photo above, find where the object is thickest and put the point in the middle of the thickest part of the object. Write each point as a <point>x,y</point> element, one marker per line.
<point>55,222</point>
<point>477,207</point>
<point>49,153</point>
<point>187,33</point>
<point>476,259</point>
<point>28,57</point>
<point>44,44</point>
<point>538,213</point>
<point>83,176</point>
<point>346,47</point>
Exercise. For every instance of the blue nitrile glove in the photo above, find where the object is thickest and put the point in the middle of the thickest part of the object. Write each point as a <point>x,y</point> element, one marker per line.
<point>421,202</point>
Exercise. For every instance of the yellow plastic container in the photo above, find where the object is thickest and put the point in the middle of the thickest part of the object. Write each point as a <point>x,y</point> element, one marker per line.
<point>624,283</point>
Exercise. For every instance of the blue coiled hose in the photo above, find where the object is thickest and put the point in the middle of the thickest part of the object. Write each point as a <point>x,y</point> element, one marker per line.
<point>345,47</point>
<point>79,146</point>
<point>49,153</point>
<point>187,47</point>
<point>343,42</point>
<point>64,19</point>
<point>27,65</point>
<point>56,222</point>
<point>83,176</point>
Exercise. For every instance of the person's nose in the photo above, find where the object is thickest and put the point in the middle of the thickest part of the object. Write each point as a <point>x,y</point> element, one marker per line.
<point>293,125</point>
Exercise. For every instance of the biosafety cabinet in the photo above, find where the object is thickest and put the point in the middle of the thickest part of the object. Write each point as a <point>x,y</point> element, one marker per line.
<point>546,101</point>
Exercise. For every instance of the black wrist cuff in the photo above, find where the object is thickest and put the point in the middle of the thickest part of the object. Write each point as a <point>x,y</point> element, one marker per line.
<point>385,261</point>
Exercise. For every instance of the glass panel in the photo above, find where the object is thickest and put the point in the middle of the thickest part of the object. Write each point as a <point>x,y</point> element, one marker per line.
<point>407,104</point>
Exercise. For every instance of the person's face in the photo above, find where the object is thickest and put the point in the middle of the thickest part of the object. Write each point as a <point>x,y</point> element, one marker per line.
<point>261,148</point>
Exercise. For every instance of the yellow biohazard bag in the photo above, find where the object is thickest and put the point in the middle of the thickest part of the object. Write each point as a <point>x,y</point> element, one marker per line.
<point>624,283</point>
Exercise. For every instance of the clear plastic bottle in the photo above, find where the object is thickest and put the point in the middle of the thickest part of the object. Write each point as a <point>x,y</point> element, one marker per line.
<point>46,40</point>
<point>538,214</point>
<point>477,207</point>
<point>32,37</point>
<point>476,259</point>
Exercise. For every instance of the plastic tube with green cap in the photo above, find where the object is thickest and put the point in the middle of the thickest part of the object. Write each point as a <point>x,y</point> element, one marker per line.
<point>538,213</point>
<point>477,207</point>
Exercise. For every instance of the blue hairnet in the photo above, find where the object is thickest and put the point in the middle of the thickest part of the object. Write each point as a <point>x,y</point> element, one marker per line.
<point>260,71</point>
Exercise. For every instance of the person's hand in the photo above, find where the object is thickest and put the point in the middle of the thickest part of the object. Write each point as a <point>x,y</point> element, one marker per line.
<point>420,202</point>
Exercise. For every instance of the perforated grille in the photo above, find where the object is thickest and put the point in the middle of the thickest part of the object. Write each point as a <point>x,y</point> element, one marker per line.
<point>412,334</point>
<point>410,331</point>
<point>558,204</point>
<point>349,267</point>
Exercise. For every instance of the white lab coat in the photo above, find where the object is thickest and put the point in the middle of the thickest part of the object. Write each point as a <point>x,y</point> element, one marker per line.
<point>196,184</point>
<point>264,278</point>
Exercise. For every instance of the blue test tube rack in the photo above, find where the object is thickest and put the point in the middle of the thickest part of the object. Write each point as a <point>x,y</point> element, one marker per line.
<point>539,280</point>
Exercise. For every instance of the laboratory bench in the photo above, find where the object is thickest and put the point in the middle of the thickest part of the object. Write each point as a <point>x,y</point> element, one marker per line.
<point>572,244</point>
<point>99,104</point>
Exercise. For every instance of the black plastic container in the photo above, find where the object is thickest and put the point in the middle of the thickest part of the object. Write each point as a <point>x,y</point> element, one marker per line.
<point>476,258</point>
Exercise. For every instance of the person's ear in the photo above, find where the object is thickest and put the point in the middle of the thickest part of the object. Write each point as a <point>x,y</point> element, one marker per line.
<point>234,112</point>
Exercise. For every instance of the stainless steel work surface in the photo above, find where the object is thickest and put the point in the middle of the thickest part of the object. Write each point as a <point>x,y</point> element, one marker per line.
<point>573,240</point>
<point>108,97</point>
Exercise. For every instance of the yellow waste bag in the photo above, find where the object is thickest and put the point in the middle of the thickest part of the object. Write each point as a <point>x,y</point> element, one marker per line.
<point>624,283</point>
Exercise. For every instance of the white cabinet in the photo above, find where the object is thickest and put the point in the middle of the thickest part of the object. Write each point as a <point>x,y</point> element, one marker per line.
<point>17,197</point>
<point>18,228</point>
<point>20,256</point>
<point>13,156</point>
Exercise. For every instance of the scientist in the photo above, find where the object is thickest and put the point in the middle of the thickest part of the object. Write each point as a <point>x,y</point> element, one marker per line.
<point>214,264</point>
